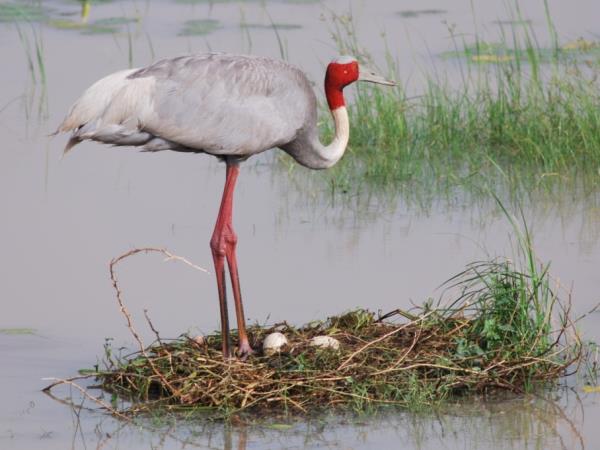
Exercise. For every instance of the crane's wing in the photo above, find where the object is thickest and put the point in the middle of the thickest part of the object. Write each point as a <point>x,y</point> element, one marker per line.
<point>215,103</point>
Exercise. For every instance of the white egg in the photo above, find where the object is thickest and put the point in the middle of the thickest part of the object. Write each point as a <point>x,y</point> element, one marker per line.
<point>273,343</point>
<point>199,339</point>
<point>325,342</point>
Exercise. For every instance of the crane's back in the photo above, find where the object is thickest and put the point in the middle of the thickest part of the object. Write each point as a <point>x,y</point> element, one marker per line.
<point>216,103</point>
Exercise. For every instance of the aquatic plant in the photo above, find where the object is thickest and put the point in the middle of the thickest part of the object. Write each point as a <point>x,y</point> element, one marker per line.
<point>107,25</point>
<point>515,114</point>
<point>279,26</point>
<point>411,13</point>
<point>18,331</point>
<point>22,12</point>
<point>200,27</point>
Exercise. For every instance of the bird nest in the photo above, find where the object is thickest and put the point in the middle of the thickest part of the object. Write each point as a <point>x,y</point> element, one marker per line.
<point>504,330</point>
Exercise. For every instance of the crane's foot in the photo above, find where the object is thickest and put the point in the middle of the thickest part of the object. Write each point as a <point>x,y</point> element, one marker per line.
<point>244,350</point>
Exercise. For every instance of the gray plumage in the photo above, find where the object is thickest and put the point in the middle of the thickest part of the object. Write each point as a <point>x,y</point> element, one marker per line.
<point>221,104</point>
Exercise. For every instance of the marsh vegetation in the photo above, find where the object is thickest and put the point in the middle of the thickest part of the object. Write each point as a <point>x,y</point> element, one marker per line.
<point>516,116</point>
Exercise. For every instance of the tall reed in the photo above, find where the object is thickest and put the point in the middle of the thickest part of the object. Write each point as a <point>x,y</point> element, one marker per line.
<point>519,112</point>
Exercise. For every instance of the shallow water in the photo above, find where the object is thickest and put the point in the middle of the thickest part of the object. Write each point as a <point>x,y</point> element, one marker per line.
<point>302,255</point>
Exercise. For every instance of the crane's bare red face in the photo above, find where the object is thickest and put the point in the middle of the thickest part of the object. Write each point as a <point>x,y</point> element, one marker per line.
<point>343,71</point>
<point>341,74</point>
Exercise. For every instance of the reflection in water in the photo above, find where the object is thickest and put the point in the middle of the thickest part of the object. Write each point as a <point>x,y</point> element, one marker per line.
<point>568,201</point>
<point>530,422</point>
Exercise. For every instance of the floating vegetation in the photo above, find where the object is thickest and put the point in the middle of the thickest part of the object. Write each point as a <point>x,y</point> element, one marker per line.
<point>114,21</point>
<point>501,52</point>
<point>34,12</point>
<point>200,27</point>
<point>513,22</point>
<point>22,12</point>
<point>478,52</point>
<point>591,389</point>
<point>194,2</point>
<point>66,24</point>
<point>92,2</point>
<point>108,25</point>
<point>499,327</point>
<point>279,26</point>
<point>18,331</point>
<point>421,12</point>
<point>581,44</point>
<point>491,58</point>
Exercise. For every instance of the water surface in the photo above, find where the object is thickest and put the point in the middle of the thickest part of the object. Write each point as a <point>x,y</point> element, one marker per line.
<point>303,254</point>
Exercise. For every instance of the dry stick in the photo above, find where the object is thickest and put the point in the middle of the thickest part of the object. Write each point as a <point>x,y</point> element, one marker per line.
<point>125,312</point>
<point>385,336</point>
<point>404,355</point>
<point>110,409</point>
<point>69,382</point>
<point>70,403</point>
<point>151,325</point>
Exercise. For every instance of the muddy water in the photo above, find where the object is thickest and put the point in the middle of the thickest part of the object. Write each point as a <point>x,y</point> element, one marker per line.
<point>301,256</point>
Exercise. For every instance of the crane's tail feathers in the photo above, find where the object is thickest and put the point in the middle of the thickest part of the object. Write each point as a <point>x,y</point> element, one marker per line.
<point>73,141</point>
<point>102,103</point>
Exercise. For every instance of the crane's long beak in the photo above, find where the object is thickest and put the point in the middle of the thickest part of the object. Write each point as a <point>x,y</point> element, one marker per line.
<point>367,74</point>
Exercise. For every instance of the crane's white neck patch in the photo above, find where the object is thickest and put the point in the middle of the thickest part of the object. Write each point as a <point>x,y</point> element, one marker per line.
<point>334,151</point>
<point>344,59</point>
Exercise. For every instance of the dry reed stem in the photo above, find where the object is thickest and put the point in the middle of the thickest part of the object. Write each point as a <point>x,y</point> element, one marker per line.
<point>385,336</point>
<point>86,394</point>
<point>113,263</point>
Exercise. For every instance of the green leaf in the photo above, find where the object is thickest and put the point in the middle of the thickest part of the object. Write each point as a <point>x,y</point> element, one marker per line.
<point>280,426</point>
<point>17,331</point>
<point>200,27</point>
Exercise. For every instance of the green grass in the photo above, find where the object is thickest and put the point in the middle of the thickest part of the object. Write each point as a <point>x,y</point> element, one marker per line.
<point>527,117</point>
<point>32,42</point>
<point>200,27</point>
<point>33,45</point>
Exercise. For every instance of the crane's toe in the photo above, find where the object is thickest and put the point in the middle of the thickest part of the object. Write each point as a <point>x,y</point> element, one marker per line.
<point>244,350</point>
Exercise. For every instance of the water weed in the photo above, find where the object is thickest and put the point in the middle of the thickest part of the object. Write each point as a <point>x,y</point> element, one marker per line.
<point>519,115</point>
<point>22,12</point>
<point>200,27</point>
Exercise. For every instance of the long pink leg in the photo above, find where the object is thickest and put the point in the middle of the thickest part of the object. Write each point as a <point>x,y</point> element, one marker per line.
<point>223,244</point>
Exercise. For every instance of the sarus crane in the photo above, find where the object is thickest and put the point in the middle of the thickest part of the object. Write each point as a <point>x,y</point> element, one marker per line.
<point>229,106</point>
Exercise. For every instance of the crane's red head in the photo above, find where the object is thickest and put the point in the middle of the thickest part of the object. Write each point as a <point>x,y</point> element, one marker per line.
<point>341,72</point>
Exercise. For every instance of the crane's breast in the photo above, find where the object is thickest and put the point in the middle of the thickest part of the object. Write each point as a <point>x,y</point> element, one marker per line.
<point>224,104</point>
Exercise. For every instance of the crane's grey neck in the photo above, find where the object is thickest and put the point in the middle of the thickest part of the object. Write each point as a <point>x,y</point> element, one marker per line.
<point>319,156</point>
